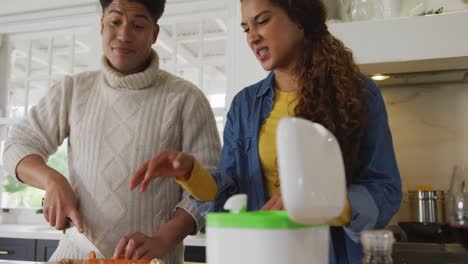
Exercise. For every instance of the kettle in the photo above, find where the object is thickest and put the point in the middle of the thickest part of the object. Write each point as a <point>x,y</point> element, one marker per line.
<point>313,189</point>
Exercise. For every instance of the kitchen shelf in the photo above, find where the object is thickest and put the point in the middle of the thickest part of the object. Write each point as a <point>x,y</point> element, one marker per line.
<point>408,44</point>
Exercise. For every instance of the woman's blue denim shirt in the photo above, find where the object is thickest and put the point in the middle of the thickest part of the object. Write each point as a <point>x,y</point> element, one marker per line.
<point>374,193</point>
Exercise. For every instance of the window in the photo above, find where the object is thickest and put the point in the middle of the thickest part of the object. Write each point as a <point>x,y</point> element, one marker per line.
<point>195,49</point>
<point>36,61</point>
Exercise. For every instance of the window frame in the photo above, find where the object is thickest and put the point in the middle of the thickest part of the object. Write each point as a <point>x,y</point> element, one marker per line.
<point>6,120</point>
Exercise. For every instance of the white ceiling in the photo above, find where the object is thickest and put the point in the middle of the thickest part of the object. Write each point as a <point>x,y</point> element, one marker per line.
<point>9,7</point>
<point>188,37</point>
<point>24,6</point>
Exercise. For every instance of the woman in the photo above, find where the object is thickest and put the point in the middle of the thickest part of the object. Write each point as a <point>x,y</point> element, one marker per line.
<point>313,76</point>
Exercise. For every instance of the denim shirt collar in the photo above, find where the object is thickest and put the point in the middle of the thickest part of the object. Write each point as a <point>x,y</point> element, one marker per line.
<point>267,84</point>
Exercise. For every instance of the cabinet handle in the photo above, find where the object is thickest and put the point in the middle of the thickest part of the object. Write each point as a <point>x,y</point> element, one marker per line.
<point>4,252</point>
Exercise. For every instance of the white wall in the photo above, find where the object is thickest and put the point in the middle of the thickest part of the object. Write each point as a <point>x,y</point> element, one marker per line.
<point>247,70</point>
<point>429,124</point>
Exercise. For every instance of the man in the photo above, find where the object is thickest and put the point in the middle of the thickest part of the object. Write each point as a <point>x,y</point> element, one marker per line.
<point>115,120</point>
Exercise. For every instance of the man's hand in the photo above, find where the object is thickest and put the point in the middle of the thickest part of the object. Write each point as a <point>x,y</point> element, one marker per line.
<point>140,246</point>
<point>60,203</point>
<point>166,164</point>
<point>274,204</point>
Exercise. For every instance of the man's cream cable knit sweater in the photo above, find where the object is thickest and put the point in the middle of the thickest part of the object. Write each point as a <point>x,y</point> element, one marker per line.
<point>114,123</point>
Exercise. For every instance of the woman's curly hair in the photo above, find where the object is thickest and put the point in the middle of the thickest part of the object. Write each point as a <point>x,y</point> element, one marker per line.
<point>332,90</point>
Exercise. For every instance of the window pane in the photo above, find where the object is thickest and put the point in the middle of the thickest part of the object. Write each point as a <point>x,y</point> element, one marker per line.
<point>18,195</point>
<point>82,53</point>
<point>14,193</point>
<point>59,161</point>
<point>220,125</point>
<point>214,49</point>
<point>37,89</point>
<point>16,99</point>
<point>214,83</point>
<point>39,66</point>
<point>165,46</point>
<point>3,135</point>
<point>18,61</point>
<point>187,53</point>
<point>215,25</point>
<point>37,62</point>
<point>189,42</point>
<point>191,74</point>
<point>62,56</point>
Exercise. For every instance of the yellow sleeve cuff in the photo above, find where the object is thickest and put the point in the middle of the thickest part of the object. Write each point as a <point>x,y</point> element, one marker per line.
<point>201,185</point>
<point>345,217</point>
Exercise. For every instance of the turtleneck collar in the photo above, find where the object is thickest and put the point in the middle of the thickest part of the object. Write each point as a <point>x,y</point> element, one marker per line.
<point>134,81</point>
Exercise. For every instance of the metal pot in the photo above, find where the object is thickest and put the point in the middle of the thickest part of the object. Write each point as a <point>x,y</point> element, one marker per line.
<point>427,206</point>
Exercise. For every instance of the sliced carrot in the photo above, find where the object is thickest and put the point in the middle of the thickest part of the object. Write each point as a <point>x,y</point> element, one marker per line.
<point>115,261</point>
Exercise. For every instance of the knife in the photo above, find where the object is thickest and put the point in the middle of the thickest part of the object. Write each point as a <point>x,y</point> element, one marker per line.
<point>80,240</point>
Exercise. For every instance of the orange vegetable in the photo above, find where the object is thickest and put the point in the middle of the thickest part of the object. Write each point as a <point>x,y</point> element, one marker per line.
<point>93,260</point>
<point>115,261</point>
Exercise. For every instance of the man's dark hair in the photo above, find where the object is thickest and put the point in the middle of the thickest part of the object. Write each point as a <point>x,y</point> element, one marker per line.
<point>155,7</point>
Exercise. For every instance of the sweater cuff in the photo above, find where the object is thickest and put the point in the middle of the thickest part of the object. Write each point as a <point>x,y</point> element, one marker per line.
<point>186,204</point>
<point>13,156</point>
<point>201,185</point>
<point>345,217</point>
<point>364,211</point>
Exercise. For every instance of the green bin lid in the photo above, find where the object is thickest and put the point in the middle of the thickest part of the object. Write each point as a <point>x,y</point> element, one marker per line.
<point>254,220</point>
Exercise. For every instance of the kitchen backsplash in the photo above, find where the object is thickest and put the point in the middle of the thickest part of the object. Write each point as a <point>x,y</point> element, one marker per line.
<point>429,125</point>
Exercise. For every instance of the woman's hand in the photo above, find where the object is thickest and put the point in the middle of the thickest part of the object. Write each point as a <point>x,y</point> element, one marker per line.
<point>60,204</point>
<point>166,164</point>
<point>274,204</point>
<point>140,246</point>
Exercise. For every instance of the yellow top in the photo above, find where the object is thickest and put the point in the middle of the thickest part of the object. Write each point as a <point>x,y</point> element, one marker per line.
<point>283,107</point>
<point>203,187</point>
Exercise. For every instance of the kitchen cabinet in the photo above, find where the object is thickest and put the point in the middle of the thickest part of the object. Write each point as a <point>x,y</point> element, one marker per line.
<point>195,253</point>
<point>27,249</point>
<point>407,44</point>
<point>45,249</point>
<point>38,243</point>
<point>17,249</point>
<point>41,250</point>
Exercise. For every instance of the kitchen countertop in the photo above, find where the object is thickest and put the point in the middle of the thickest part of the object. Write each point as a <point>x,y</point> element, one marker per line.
<point>2,261</point>
<point>35,262</point>
<point>49,233</point>
<point>403,252</point>
<point>429,253</point>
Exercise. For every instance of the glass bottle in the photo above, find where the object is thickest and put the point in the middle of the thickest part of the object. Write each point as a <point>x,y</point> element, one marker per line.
<point>377,245</point>
<point>457,207</point>
<point>359,10</point>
